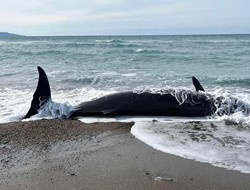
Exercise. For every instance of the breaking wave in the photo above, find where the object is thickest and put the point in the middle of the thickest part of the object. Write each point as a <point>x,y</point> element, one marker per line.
<point>242,81</point>
<point>111,41</point>
<point>55,110</point>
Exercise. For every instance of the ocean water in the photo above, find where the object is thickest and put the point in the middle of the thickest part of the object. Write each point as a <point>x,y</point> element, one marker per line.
<point>84,68</point>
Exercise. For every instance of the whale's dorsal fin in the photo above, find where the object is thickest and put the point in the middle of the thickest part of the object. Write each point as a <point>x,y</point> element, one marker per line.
<point>41,95</point>
<point>197,85</point>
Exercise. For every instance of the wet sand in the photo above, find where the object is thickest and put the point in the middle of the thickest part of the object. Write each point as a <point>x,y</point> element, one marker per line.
<point>68,154</point>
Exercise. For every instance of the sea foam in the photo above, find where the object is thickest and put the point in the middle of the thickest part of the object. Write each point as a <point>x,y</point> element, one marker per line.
<point>215,143</point>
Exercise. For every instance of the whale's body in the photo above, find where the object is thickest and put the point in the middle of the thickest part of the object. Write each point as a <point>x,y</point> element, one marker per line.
<point>147,104</point>
<point>169,103</point>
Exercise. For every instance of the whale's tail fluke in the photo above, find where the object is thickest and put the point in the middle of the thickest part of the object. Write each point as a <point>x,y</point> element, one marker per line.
<point>41,95</point>
<point>197,85</point>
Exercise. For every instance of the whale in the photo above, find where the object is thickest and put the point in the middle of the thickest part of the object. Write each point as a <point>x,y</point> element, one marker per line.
<point>168,102</point>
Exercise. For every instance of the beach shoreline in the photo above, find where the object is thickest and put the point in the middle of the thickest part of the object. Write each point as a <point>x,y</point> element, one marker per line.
<point>69,154</point>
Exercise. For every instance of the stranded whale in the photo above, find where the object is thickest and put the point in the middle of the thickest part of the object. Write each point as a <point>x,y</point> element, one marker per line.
<point>167,103</point>
<point>147,104</point>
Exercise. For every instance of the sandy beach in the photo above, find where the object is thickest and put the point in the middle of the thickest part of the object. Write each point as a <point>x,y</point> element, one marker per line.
<point>68,154</point>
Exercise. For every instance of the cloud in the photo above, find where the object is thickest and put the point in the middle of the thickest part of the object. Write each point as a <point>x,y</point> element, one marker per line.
<point>38,19</point>
<point>82,16</point>
<point>46,12</point>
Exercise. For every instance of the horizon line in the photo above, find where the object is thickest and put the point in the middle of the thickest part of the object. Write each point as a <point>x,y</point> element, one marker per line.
<point>107,35</point>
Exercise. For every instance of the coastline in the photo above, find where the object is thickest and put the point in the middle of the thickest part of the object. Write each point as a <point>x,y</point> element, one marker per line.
<point>69,154</point>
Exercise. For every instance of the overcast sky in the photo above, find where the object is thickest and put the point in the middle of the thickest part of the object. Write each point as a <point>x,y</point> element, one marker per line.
<point>121,17</point>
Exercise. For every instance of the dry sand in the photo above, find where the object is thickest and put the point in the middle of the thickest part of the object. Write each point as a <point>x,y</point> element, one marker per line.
<point>68,154</point>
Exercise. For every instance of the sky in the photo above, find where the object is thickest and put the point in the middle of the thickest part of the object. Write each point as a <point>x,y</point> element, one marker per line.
<point>124,17</point>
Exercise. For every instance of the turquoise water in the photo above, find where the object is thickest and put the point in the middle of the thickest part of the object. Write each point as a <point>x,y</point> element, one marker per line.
<point>125,62</point>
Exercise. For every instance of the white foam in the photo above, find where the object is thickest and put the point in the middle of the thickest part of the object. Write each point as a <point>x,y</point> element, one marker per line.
<point>140,50</point>
<point>235,106</point>
<point>13,104</point>
<point>218,144</point>
<point>139,119</point>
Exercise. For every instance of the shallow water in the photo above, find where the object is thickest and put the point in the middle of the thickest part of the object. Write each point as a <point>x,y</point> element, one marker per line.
<point>220,144</point>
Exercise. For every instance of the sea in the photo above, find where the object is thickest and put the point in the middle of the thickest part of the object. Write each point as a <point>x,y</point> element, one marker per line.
<point>83,68</point>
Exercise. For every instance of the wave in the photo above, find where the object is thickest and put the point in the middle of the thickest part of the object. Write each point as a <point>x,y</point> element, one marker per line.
<point>214,41</point>
<point>117,43</point>
<point>7,74</point>
<point>55,110</point>
<point>79,44</point>
<point>111,41</point>
<point>45,52</point>
<point>83,81</point>
<point>140,50</point>
<point>229,80</point>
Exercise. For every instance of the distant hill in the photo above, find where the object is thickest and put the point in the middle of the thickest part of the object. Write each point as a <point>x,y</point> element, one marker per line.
<point>7,34</point>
